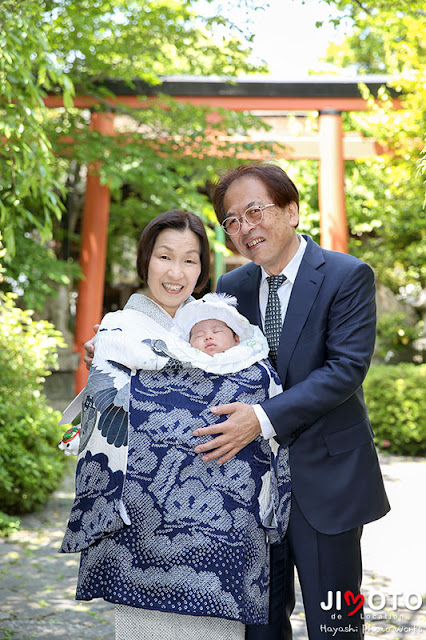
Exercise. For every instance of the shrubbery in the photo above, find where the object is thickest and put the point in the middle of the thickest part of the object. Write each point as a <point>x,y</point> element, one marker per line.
<point>30,462</point>
<point>395,396</point>
<point>396,333</point>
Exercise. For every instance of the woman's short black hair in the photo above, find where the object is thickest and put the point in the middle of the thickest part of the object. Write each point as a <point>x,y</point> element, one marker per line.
<point>179,220</point>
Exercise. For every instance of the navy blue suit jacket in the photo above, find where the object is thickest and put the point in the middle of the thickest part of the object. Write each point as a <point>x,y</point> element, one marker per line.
<point>324,353</point>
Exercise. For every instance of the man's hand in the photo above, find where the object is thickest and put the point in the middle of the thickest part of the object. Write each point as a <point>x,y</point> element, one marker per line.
<point>241,428</point>
<point>89,347</point>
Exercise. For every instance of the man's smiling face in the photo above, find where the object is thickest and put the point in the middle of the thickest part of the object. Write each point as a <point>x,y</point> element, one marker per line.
<point>273,242</point>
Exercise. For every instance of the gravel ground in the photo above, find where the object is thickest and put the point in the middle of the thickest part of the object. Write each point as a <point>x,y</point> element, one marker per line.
<point>38,584</point>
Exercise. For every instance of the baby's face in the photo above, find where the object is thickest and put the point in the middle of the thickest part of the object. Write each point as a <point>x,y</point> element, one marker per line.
<point>212,336</point>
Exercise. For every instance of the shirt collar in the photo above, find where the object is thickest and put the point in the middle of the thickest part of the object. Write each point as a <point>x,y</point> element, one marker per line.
<point>291,269</point>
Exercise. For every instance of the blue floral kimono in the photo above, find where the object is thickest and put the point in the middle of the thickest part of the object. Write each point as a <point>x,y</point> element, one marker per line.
<point>159,528</point>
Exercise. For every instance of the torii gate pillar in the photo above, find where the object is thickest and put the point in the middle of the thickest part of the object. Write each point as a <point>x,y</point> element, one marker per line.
<point>94,235</point>
<point>331,186</point>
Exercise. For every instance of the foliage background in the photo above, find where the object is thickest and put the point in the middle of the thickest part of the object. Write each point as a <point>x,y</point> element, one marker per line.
<point>87,48</point>
<point>30,462</point>
<point>395,398</point>
<point>385,196</point>
<point>92,46</point>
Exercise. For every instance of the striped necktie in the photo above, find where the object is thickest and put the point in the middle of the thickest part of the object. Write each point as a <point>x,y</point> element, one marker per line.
<point>273,321</point>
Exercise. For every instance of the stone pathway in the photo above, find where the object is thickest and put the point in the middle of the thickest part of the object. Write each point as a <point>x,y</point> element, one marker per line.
<point>394,555</point>
<point>37,584</point>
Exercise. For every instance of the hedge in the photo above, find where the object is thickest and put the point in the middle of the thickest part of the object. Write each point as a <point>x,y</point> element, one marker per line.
<point>395,397</point>
<point>31,464</point>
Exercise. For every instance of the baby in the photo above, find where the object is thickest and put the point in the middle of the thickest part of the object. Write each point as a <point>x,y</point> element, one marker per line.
<point>212,336</point>
<point>211,324</point>
<point>202,323</point>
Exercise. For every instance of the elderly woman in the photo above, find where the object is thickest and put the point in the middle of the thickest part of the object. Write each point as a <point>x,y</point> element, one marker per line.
<point>176,543</point>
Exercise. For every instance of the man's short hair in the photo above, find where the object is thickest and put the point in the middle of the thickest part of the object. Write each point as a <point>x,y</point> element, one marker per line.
<point>280,187</point>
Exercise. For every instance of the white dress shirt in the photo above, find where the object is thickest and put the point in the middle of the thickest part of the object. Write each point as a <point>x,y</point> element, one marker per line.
<point>284,292</point>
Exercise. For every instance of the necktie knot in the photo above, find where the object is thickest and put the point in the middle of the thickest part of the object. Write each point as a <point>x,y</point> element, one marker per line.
<point>275,282</point>
<point>273,321</point>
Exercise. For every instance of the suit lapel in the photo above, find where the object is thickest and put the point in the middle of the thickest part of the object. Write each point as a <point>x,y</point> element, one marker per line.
<point>305,290</point>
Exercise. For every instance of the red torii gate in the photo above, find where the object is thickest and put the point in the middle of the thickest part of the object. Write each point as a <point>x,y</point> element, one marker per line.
<point>328,96</point>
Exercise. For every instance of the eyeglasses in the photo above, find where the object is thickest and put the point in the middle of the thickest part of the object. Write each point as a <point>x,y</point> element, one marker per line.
<point>253,215</point>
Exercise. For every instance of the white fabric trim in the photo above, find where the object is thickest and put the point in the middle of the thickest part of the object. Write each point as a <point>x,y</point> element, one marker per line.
<point>136,355</point>
<point>123,348</point>
<point>212,306</point>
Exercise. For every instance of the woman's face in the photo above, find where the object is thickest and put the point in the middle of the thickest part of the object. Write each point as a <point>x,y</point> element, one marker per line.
<point>174,268</point>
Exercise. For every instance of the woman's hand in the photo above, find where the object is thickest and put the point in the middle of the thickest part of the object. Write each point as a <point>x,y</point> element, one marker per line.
<point>89,347</point>
<point>241,428</point>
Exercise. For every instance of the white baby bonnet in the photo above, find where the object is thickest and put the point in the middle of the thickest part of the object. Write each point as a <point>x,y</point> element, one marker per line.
<point>213,306</point>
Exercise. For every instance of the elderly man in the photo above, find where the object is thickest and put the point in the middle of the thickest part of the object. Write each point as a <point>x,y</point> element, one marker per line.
<point>317,310</point>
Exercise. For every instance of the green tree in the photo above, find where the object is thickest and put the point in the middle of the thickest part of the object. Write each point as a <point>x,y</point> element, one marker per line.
<point>160,156</point>
<point>31,191</point>
<point>385,197</point>
<point>27,164</point>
